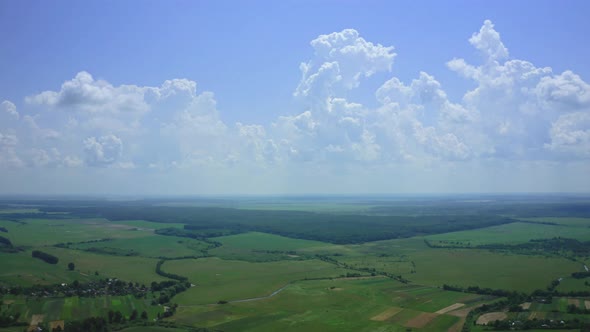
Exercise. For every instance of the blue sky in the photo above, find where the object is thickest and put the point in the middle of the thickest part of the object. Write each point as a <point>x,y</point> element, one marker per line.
<point>267,97</point>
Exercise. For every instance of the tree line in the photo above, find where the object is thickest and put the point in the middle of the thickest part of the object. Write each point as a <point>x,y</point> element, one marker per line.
<point>47,258</point>
<point>206,222</point>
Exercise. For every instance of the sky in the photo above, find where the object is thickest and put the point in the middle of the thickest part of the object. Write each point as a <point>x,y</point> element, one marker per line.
<point>294,97</point>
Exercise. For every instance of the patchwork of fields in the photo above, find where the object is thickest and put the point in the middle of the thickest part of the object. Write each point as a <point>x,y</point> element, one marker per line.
<point>258,281</point>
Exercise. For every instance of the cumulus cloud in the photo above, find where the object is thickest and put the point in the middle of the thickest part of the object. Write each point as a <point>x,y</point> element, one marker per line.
<point>516,110</point>
<point>8,155</point>
<point>571,134</point>
<point>341,60</point>
<point>103,150</point>
<point>488,42</point>
<point>564,92</point>
<point>84,93</point>
<point>9,107</point>
<point>517,104</point>
<point>8,140</point>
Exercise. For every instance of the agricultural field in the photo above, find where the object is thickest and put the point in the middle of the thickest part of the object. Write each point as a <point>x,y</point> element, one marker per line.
<point>148,246</point>
<point>336,305</point>
<point>514,233</point>
<point>199,266</point>
<point>218,279</point>
<point>40,232</point>
<point>72,307</point>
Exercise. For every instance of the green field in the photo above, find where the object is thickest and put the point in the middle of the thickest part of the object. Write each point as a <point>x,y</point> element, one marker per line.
<point>575,222</point>
<point>23,270</point>
<point>331,305</point>
<point>218,279</point>
<point>263,241</point>
<point>150,246</point>
<point>74,307</point>
<point>40,232</point>
<point>263,281</point>
<point>513,233</point>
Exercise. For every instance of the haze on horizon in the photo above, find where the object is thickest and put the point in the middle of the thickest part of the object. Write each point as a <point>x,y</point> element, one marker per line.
<point>232,98</point>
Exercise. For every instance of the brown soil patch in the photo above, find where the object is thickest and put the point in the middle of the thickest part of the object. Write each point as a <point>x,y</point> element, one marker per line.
<point>461,312</point>
<point>8,301</point>
<point>587,304</point>
<point>458,326</point>
<point>385,315</point>
<point>575,302</point>
<point>36,319</point>
<point>491,317</point>
<point>421,320</point>
<point>450,308</point>
<point>526,305</point>
<point>55,324</point>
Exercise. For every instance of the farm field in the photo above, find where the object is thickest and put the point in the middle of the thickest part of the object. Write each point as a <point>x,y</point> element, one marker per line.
<point>218,279</point>
<point>38,232</point>
<point>261,277</point>
<point>24,270</point>
<point>335,305</point>
<point>514,233</point>
<point>565,221</point>
<point>149,246</point>
<point>264,241</point>
<point>73,307</point>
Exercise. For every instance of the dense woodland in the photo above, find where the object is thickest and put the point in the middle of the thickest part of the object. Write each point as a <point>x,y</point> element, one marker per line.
<point>334,228</point>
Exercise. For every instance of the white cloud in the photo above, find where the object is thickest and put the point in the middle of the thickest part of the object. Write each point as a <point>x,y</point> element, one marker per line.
<point>515,103</point>
<point>341,60</point>
<point>9,107</point>
<point>571,134</point>
<point>8,155</point>
<point>72,161</point>
<point>8,140</point>
<point>515,112</point>
<point>366,149</point>
<point>84,93</point>
<point>488,42</point>
<point>565,92</point>
<point>35,130</point>
<point>103,150</point>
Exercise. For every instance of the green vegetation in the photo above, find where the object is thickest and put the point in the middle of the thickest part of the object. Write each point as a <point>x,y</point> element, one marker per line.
<point>333,228</point>
<point>373,264</point>
<point>47,258</point>
<point>146,246</point>
<point>513,233</point>
<point>218,279</point>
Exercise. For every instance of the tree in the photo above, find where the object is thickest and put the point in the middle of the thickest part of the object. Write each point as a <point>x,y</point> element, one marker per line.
<point>133,315</point>
<point>71,266</point>
<point>144,315</point>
